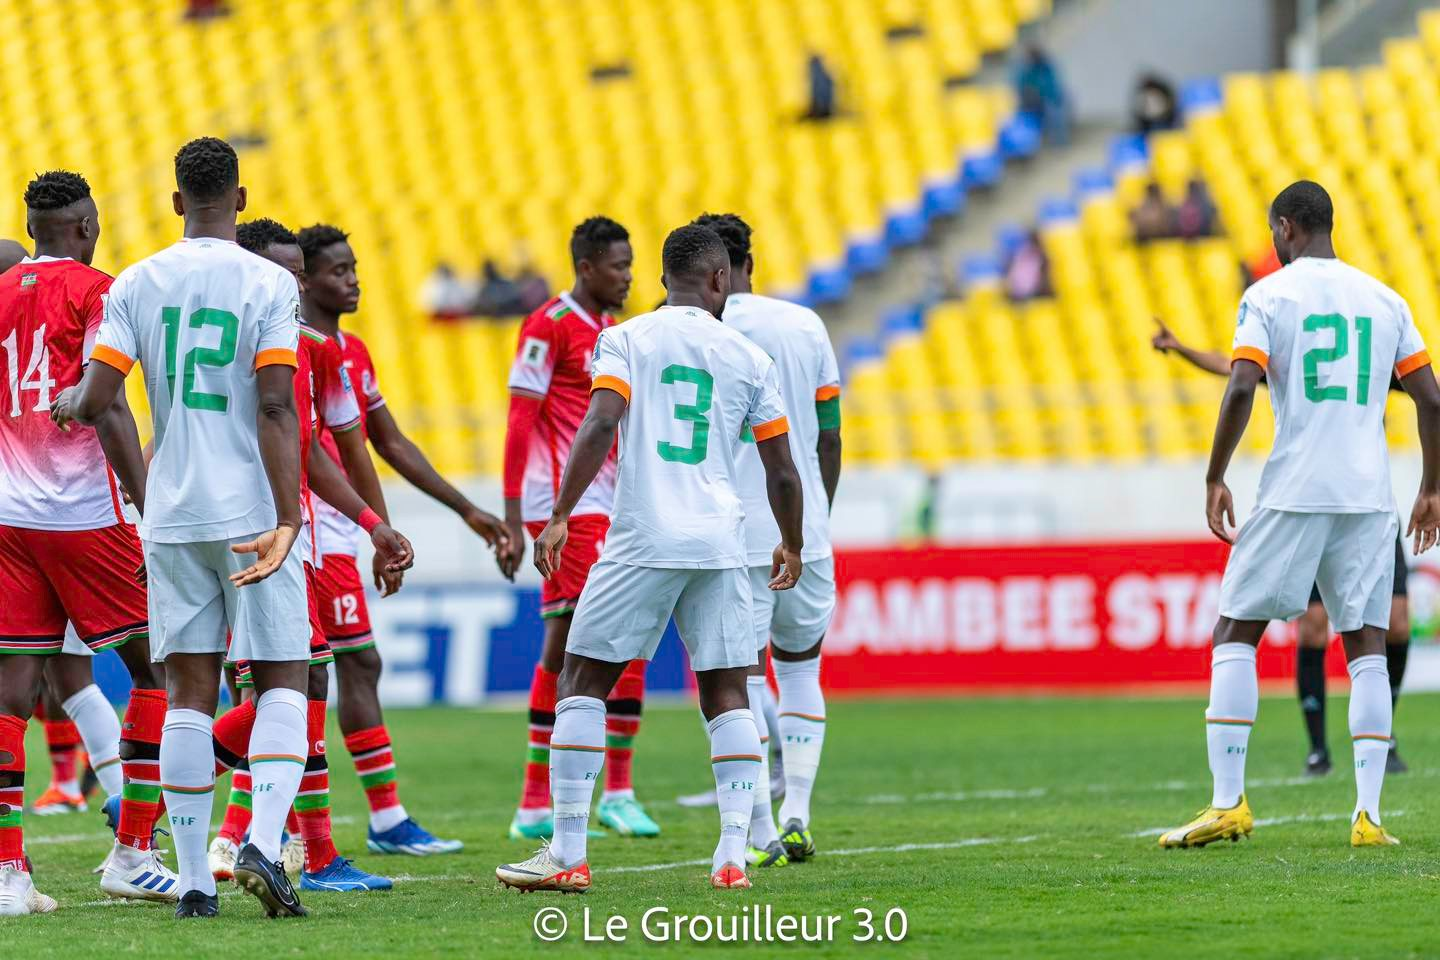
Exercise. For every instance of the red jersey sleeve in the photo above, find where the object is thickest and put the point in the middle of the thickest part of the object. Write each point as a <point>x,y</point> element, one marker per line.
<point>535,355</point>
<point>334,393</point>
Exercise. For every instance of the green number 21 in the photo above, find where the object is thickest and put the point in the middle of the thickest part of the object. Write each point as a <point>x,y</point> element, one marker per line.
<point>219,356</point>
<point>1338,350</point>
<point>692,413</point>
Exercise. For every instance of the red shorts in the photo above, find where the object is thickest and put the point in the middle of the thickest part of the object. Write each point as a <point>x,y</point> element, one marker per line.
<point>343,612</point>
<point>561,593</point>
<point>320,653</point>
<point>85,577</point>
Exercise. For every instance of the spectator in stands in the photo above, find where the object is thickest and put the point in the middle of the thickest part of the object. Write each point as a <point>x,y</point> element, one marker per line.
<point>534,290</point>
<point>1196,216</point>
<point>499,294</point>
<point>206,9</point>
<point>445,295</point>
<point>822,89</point>
<point>1042,96</point>
<point>1153,105</point>
<point>1154,219</point>
<point>1027,275</point>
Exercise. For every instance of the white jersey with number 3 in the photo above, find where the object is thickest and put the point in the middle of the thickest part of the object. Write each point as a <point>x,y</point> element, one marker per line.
<point>201,316</point>
<point>692,385</point>
<point>1328,336</point>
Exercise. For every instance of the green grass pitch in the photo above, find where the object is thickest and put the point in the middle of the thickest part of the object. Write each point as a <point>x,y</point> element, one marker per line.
<point>1003,828</point>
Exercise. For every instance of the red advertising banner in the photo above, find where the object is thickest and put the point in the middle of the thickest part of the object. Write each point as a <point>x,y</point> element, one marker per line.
<point>1073,616</point>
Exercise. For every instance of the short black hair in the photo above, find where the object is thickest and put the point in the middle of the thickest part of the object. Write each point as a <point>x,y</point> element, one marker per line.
<point>256,235</point>
<point>593,237</point>
<point>55,189</point>
<point>1305,204</point>
<point>317,237</point>
<point>693,250</point>
<point>206,167</point>
<point>733,232</point>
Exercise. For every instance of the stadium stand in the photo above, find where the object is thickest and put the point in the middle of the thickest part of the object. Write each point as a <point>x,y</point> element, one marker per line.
<point>1074,378</point>
<point>445,130</point>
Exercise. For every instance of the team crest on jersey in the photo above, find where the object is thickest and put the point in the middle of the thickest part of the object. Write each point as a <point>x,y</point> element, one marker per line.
<point>534,352</point>
<point>29,279</point>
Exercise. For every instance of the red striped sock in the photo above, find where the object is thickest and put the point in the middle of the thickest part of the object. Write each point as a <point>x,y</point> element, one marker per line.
<point>141,799</point>
<point>62,737</point>
<point>375,764</point>
<point>12,791</point>
<point>622,723</point>
<point>238,812</point>
<point>313,801</point>
<point>535,795</point>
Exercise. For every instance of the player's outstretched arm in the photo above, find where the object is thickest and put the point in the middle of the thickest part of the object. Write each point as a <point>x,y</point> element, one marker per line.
<point>1425,517</point>
<point>520,425</point>
<point>401,453</point>
<point>277,429</point>
<point>120,439</point>
<point>1235,407</point>
<point>360,476</point>
<point>1212,361</point>
<point>592,445</point>
<point>393,551</point>
<point>782,485</point>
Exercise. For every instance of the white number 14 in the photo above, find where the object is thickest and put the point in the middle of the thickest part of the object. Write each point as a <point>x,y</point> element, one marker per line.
<point>37,372</point>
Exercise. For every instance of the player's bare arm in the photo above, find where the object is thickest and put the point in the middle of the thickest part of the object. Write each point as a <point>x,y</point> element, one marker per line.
<point>276,428</point>
<point>523,416</point>
<point>1424,525</point>
<point>393,551</point>
<point>827,448</point>
<point>782,485</point>
<point>401,453</point>
<point>1211,361</point>
<point>360,474</point>
<point>1235,407</point>
<point>120,439</point>
<point>592,445</point>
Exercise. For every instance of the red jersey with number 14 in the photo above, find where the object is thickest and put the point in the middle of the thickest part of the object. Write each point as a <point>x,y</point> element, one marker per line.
<point>552,364</point>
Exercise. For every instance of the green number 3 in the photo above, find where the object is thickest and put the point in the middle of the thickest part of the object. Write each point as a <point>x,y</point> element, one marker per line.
<point>693,413</point>
<point>219,356</point>
<point>1315,356</point>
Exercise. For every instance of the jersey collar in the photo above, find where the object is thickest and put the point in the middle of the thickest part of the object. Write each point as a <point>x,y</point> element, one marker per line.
<point>578,310</point>
<point>45,258</point>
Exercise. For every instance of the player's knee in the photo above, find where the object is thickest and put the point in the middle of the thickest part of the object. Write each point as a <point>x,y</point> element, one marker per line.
<point>362,668</point>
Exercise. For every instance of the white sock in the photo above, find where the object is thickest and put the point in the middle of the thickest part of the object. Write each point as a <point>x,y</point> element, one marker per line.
<point>762,818</point>
<point>1234,701</point>
<point>771,709</point>
<point>278,746</point>
<point>187,778</point>
<point>99,727</point>
<point>1370,714</point>
<point>577,754</point>
<point>802,732</point>
<point>735,759</point>
<point>382,820</point>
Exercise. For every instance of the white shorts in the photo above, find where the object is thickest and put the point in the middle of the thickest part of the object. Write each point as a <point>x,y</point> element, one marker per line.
<point>623,611</point>
<point>1279,554</point>
<point>795,619</point>
<point>194,607</point>
<point>74,645</point>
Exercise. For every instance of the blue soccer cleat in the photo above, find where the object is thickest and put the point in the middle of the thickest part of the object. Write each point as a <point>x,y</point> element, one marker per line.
<point>342,876</point>
<point>112,814</point>
<point>409,837</point>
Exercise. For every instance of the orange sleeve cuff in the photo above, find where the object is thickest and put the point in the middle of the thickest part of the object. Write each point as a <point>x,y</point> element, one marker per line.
<point>827,393</point>
<point>1254,354</point>
<point>277,356</point>
<point>112,358</point>
<point>771,428</point>
<point>1405,367</point>
<point>607,382</point>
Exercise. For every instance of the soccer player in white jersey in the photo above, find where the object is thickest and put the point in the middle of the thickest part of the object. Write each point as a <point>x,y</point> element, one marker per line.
<point>681,387</point>
<point>793,623</point>
<point>215,330</point>
<point>1326,337</point>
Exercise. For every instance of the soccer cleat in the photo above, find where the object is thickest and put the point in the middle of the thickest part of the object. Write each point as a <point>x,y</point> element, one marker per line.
<point>18,895</point>
<point>772,856</point>
<point>409,837</point>
<point>628,818</point>
<point>1365,833</point>
<point>149,879</point>
<point>730,877</point>
<point>267,882</point>
<point>341,876</point>
<point>109,856</point>
<point>1212,824</point>
<point>111,809</point>
<point>1393,762</point>
<point>197,904</point>
<point>1317,763</point>
<point>544,872</point>
<point>799,844</point>
<point>539,830</point>
<point>292,855</point>
<point>55,801</point>
<point>222,856</point>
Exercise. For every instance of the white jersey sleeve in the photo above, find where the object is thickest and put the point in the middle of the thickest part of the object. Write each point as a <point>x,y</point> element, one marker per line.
<point>766,417</point>
<point>280,325</point>
<point>1410,354</point>
<point>611,363</point>
<point>829,385</point>
<point>116,342</point>
<point>1252,330</point>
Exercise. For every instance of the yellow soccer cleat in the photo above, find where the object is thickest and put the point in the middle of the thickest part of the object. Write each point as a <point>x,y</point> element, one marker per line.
<point>1367,834</point>
<point>1212,824</point>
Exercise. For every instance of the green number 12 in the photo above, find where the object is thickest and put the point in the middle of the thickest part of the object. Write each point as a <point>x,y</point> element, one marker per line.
<point>219,356</point>
<point>692,413</point>
<point>1338,350</point>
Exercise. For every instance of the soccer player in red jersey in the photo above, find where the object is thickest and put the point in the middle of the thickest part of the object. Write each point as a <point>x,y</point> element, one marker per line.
<point>332,288</point>
<point>66,552</point>
<point>549,394</point>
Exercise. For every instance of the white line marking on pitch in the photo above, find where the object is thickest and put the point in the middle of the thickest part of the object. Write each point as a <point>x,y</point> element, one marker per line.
<point>1274,821</point>
<point>853,852</point>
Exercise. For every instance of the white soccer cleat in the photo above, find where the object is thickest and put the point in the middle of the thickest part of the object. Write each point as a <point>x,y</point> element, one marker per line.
<point>149,879</point>
<point>222,856</point>
<point>544,872</point>
<point>109,856</point>
<point>19,897</point>
<point>292,855</point>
